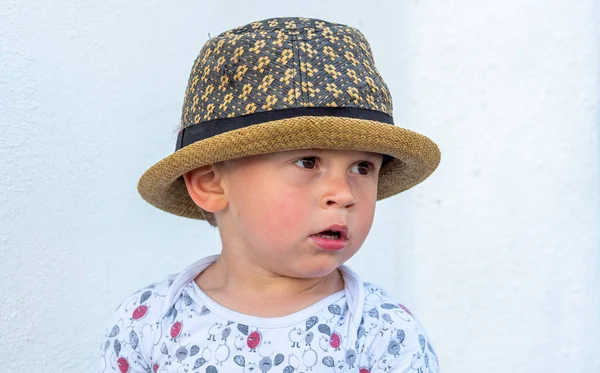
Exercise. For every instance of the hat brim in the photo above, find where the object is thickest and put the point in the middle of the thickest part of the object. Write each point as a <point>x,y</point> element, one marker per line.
<point>415,156</point>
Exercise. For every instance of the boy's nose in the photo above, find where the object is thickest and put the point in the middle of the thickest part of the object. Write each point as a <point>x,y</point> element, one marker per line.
<point>338,192</point>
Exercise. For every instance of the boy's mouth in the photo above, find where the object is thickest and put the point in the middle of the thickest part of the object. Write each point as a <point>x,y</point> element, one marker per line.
<point>333,238</point>
<point>332,235</point>
<point>334,232</point>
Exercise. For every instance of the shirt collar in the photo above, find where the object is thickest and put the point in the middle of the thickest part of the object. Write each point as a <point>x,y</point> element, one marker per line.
<point>353,288</point>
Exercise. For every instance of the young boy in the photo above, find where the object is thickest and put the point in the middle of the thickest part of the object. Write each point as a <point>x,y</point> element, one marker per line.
<point>287,142</point>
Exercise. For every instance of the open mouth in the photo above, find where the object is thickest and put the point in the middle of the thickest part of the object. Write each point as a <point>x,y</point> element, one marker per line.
<point>332,235</point>
<point>334,232</point>
<point>334,238</point>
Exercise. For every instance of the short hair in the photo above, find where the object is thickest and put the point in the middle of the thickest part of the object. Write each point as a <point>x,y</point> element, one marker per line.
<point>209,217</point>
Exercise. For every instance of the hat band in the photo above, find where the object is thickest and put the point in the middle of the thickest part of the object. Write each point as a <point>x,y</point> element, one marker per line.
<point>204,130</point>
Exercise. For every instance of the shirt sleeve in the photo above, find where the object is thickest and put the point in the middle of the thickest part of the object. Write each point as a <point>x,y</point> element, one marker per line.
<point>402,345</point>
<point>128,335</point>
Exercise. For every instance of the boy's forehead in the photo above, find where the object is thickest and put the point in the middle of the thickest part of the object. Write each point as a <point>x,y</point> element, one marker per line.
<point>351,155</point>
<point>277,157</point>
<point>327,152</point>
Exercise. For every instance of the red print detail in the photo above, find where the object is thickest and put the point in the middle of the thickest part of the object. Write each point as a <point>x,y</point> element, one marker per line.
<point>123,365</point>
<point>155,367</point>
<point>176,329</point>
<point>253,340</point>
<point>335,340</point>
<point>363,370</point>
<point>140,312</point>
<point>405,309</point>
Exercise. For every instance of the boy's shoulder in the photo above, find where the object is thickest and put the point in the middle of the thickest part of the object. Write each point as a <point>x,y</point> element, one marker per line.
<point>142,306</point>
<point>152,295</point>
<point>131,329</point>
<point>395,337</point>
<point>378,302</point>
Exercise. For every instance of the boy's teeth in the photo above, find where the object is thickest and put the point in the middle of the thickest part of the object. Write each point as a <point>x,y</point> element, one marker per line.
<point>330,236</point>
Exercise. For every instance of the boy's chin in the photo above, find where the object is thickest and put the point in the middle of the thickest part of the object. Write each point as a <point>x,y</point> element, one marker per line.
<point>316,269</point>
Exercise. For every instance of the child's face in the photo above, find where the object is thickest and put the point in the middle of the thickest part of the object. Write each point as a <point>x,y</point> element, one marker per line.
<point>276,202</point>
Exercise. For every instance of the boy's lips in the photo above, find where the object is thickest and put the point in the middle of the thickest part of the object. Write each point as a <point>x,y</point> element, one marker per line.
<point>332,244</point>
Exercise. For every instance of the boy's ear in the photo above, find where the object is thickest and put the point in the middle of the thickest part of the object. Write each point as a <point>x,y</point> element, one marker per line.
<point>204,187</point>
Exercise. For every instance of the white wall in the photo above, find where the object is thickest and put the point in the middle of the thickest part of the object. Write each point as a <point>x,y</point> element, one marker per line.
<point>498,252</point>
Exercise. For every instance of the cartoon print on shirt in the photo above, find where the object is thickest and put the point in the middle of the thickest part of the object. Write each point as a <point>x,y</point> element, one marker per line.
<point>226,332</point>
<point>417,362</point>
<point>311,321</point>
<point>130,304</point>
<point>222,353</point>
<point>172,313</point>
<point>164,350</point>
<point>373,326</point>
<point>335,310</point>
<point>380,326</point>
<point>181,353</point>
<point>211,369</point>
<point>243,329</point>
<point>265,364</point>
<point>206,354</point>
<point>187,337</point>
<point>133,339</point>
<point>266,349</point>
<point>393,348</point>
<point>251,368</point>
<point>340,367</point>
<point>328,361</point>
<point>123,365</point>
<point>335,341</point>
<point>324,343</point>
<point>400,335</point>
<point>254,340</point>
<point>434,357</point>
<point>203,311</point>
<point>310,358</point>
<point>139,312</point>
<point>350,358</point>
<point>199,362</point>
<point>187,300</point>
<point>293,362</point>
<point>373,294</point>
<point>176,330</point>
<point>217,328</point>
<point>296,335</point>
<point>385,363</point>
<point>114,331</point>
<point>239,342</point>
<point>387,318</point>
<point>308,339</point>
<point>421,341</point>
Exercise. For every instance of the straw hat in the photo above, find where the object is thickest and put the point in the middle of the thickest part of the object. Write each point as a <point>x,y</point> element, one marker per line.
<point>286,84</point>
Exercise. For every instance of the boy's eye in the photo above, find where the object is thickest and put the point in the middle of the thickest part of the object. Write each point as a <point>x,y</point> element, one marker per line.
<point>363,168</point>
<point>308,162</point>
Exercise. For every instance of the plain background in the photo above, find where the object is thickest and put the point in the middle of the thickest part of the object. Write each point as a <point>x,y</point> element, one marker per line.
<point>498,253</point>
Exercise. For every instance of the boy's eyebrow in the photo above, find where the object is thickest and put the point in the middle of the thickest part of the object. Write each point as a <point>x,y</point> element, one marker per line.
<point>370,156</point>
<point>319,152</point>
<point>374,156</point>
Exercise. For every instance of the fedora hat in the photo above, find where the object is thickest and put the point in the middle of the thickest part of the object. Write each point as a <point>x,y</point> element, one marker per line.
<point>286,84</point>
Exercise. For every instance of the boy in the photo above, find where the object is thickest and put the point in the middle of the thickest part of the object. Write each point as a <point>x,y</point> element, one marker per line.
<point>287,142</point>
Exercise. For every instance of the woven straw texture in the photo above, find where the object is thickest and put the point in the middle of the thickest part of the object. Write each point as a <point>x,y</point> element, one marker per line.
<point>280,64</point>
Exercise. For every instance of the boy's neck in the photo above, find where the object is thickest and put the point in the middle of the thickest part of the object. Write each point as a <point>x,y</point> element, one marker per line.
<point>238,283</point>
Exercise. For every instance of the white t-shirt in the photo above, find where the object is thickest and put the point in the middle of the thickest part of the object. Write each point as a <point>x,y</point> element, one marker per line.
<point>173,326</point>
